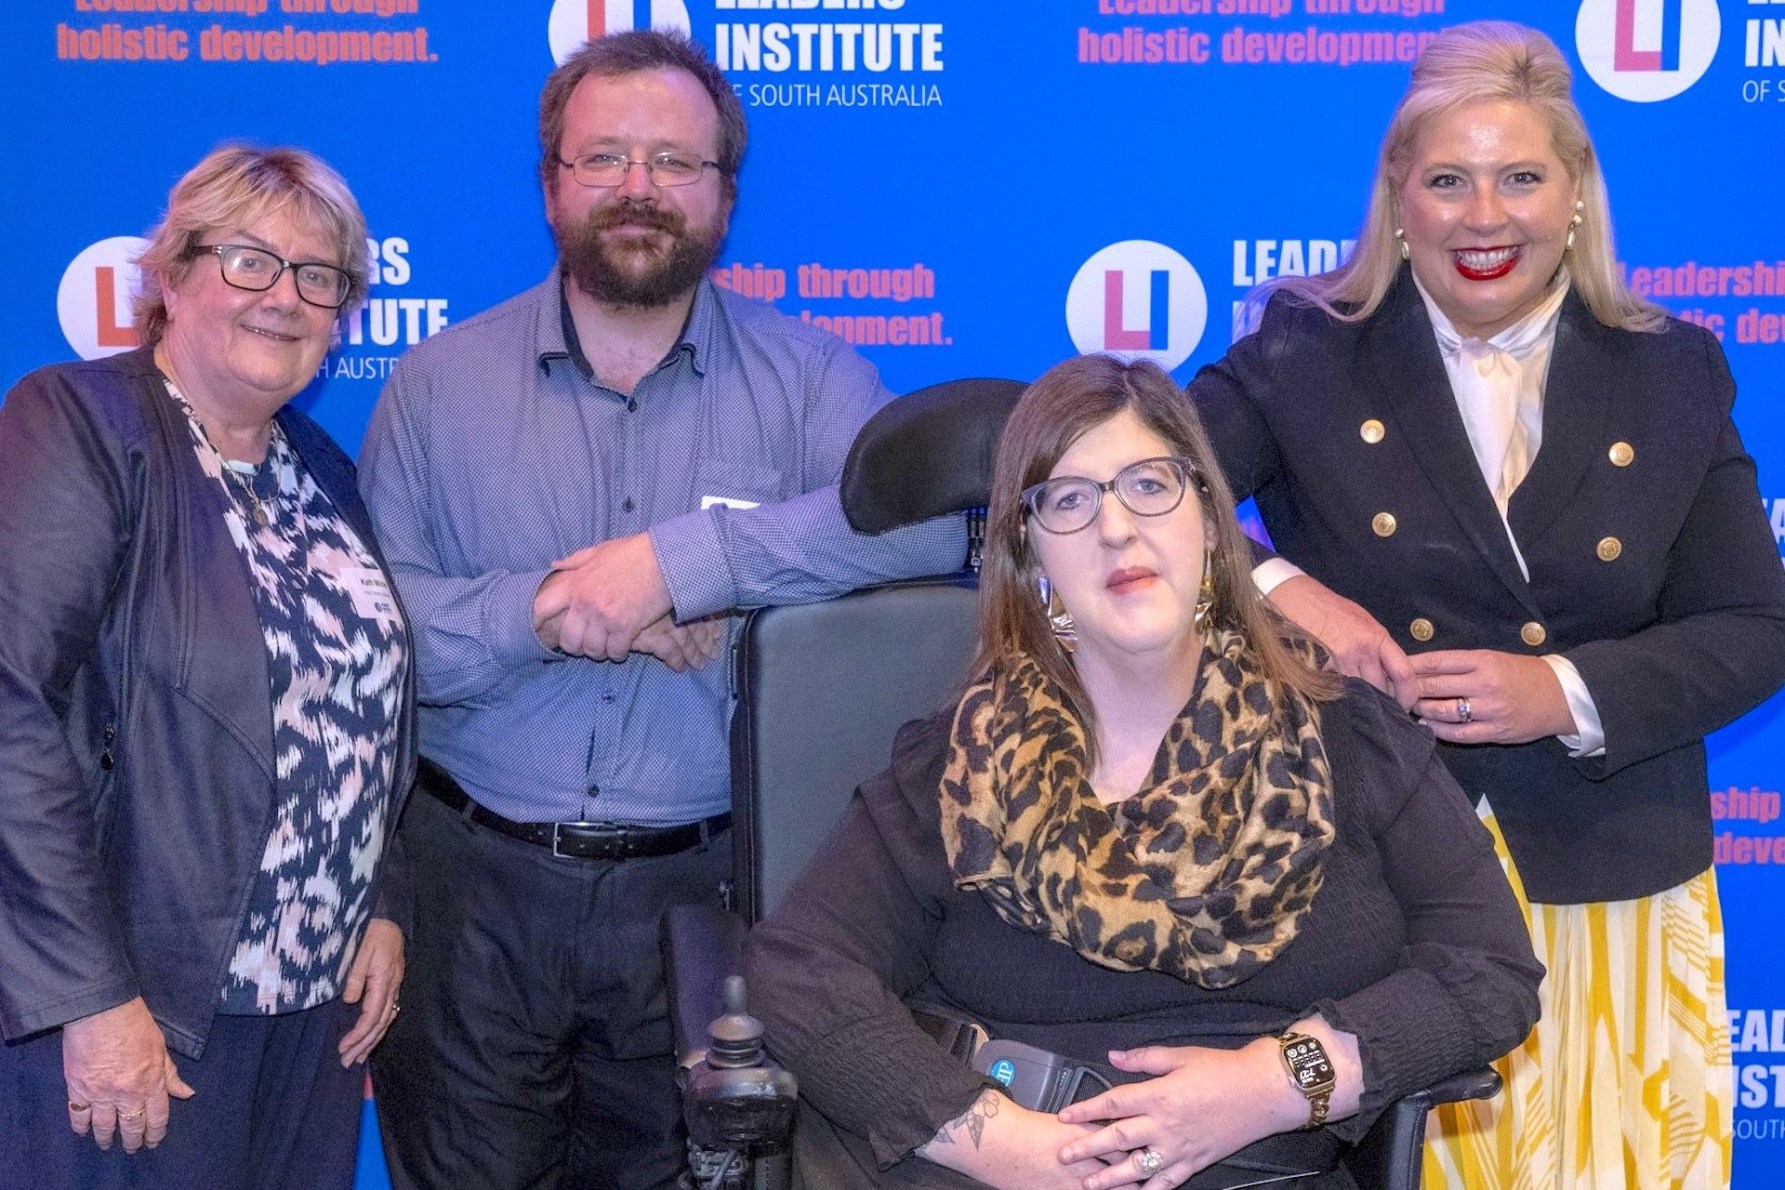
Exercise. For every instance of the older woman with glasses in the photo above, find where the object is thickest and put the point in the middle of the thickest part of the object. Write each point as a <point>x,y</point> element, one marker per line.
<point>205,720</point>
<point>1151,838</point>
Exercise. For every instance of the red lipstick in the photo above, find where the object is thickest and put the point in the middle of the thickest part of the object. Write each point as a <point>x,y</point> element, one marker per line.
<point>1488,274</point>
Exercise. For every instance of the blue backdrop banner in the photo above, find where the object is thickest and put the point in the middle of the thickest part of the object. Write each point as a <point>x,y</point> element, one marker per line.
<point>960,188</point>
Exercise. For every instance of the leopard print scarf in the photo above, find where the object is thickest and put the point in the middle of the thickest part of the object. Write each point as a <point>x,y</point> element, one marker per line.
<point>1207,873</point>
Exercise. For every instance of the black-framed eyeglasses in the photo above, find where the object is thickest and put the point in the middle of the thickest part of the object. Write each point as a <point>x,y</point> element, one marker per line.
<point>610,169</point>
<point>1150,487</point>
<point>257,270</point>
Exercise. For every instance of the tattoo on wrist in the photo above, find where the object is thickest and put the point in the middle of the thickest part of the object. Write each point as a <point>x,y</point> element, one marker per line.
<point>970,1124</point>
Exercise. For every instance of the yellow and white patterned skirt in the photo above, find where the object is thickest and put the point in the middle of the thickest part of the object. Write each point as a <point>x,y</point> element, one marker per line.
<point>1626,1083</point>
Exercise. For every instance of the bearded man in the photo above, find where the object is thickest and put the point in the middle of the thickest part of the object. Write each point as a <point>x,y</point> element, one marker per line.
<point>573,490</point>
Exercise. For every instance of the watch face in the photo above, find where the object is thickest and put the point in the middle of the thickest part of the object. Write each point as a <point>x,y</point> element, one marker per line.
<point>1307,1063</point>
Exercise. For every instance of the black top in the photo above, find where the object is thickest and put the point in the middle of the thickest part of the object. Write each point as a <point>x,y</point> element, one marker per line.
<point>1414,944</point>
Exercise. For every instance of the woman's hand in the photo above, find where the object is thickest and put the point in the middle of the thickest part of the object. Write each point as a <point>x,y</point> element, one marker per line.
<point>1361,647</point>
<point>1201,1106</point>
<point>375,977</point>
<point>1010,1147</point>
<point>1510,699</point>
<point>119,1076</point>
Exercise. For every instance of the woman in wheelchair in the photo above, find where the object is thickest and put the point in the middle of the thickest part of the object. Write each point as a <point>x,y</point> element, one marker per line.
<point>1155,840</point>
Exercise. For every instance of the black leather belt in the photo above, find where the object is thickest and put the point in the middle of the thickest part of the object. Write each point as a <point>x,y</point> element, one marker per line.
<point>575,840</point>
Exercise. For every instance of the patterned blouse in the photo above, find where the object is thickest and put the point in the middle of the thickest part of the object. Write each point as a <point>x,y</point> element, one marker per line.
<point>336,651</point>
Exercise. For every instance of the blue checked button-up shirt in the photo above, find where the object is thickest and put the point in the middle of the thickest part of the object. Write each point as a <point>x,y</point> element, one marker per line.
<point>492,452</point>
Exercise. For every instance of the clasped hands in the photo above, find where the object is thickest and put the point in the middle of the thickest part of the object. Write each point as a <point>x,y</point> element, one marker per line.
<point>610,599</point>
<point>1199,1106</point>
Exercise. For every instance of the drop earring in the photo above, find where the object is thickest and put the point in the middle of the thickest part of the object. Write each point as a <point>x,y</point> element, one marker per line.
<point>1579,206</point>
<point>1059,620</point>
<point>1204,612</point>
<point>1401,238</point>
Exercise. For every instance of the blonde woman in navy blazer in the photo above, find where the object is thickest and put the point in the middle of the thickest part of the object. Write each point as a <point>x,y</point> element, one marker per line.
<point>1570,587</point>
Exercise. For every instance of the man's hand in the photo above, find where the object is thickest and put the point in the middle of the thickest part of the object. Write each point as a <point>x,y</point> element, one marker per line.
<point>682,647</point>
<point>1360,646</point>
<point>119,1076</point>
<point>597,601</point>
<point>1510,699</point>
<point>372,983</point>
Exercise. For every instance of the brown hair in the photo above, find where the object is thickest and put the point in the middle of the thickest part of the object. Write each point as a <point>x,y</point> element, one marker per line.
<point>236,185</point>
<point>1482,61</point>
<point>637,51</point>
<point>1067,401</point>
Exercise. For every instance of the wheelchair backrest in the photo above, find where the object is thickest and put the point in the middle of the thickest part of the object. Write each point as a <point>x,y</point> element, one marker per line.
<point>822,688</point>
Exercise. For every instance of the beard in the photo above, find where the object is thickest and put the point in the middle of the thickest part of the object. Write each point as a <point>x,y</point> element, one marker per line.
<point>634,273</point>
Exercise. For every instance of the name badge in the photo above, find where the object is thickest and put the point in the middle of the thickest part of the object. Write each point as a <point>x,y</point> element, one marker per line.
<point>371,593</point>
<point>707,502</point>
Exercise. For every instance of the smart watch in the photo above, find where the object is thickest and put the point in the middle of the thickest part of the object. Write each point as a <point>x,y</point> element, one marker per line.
<point>1312,1073</point>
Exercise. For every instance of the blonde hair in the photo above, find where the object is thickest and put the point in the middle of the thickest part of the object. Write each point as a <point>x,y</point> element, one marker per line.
<point>1480,62</point>
<point>237,185</point>
<point>1068,400</point>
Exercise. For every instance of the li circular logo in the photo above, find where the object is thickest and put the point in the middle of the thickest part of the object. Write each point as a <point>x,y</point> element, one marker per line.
<point>575,21</point>
<point>93,300</point>
<point>1647,50</point>
<point>1139,300</point>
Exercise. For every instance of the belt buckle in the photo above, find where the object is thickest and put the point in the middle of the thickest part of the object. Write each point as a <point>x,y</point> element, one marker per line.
<point>615,848</point>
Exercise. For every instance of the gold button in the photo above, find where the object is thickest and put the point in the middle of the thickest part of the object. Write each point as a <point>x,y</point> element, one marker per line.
<point>1622,454</point>
<point>1608,549</point>
<point>1371,431</point>
<point>1533,634</point>
<point>1420,630</point>
<point>1384,524</point>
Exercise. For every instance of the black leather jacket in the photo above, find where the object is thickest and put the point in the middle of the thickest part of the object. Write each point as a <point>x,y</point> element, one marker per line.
<point>136,726</point>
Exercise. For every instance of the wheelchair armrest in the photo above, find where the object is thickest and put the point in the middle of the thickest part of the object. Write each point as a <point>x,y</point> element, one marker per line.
<point>1390,1153</point>
<point>701,946</point>
<point>1470,1084</point>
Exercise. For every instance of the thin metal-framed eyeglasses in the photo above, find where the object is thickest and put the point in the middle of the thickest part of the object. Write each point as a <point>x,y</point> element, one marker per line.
<point>1150,487</point>
<point>603,170</point>
<point>257,270</point>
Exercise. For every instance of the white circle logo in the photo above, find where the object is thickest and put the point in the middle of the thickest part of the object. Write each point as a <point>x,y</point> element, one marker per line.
<point>575,21</point>
<point>1647,50</point>
<point>93,300</point>
<point>1138,300</point>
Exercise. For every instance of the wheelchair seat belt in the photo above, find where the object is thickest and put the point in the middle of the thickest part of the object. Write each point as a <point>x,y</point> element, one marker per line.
<point>1046,1081</point>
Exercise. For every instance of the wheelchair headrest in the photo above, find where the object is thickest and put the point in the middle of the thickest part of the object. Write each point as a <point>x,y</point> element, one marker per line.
<point>927,454</point>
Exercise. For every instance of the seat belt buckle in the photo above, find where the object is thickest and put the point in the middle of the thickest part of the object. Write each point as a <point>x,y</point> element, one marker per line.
<point>1035,1078</point>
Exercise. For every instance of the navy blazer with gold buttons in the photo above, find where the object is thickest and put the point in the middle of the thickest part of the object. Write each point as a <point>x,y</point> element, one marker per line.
<point>1653,565</point>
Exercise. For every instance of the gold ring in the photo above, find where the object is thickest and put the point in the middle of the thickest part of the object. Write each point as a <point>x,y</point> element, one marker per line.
<point>132,1116</point>
<point>1464,713</point>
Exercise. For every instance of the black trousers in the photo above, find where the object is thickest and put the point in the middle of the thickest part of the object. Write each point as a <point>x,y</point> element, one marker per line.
<point>533,1049</point>
<point>274,1110</point>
